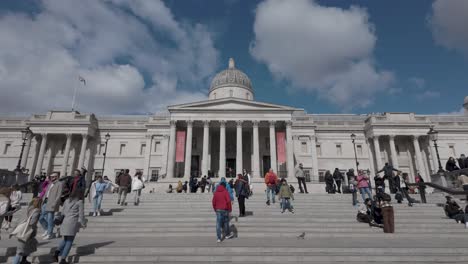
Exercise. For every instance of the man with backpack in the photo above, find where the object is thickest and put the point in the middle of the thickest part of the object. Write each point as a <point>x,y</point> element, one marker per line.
<point>271,181</point>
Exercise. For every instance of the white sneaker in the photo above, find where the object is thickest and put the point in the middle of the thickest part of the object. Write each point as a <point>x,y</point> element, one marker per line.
<point>230,236</point>
<point>218,241</point>
<point>99,213</point>
<point>94,214</point>
<point>48,237</point>
<point>45,234</point>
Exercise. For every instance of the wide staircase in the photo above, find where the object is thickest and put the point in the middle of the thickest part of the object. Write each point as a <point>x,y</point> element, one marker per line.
<point>180,228</point>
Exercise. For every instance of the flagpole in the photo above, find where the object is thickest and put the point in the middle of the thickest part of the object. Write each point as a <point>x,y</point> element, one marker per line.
<point>74,96</point>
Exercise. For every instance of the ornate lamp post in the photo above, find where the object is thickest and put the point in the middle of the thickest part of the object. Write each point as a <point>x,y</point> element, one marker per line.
<point>353,139</point>
<point>107,137</point>
<point>433,135</point>
<point>25,135</point>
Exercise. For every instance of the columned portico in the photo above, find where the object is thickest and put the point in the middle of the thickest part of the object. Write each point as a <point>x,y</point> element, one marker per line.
<point>256,150</point>
<point>239,158</point>
<point>171,151</point>
<point>417,151</point>
<point>289,149</point>
<point>84,143</point>
<point>206,135</point>
<point>188,150</point>
<point>273,146</point>
<point>66,155</point>
<point>378,157</point>
<point>42,150</point>
<point>393,152</point>
<point>222,148</point>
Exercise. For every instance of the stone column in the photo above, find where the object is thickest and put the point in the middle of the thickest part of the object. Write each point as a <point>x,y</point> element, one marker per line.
<point>66,155</point>
<point>239,163</point>
<point>222,149</point>
<point>24,159</point>
<point>273,159</point>
<point>393,152</point>
<point>171,152</point>
<point>289,149</point>
<point>146,163</point>
<point>31,166</point>
<point>206,136</point>
<point>435,163</point>
<point>256,151</point>
<point>371,157</point>
<point>188,150</point>
<point>81,159</point>
<point>417,151</point>
<point>315,173</point>
<point>378,157</point>
<point>40,159</point>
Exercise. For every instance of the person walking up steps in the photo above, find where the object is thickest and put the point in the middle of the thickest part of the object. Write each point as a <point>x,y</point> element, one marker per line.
<point>271,180</point>
<point>285,195</point>
<point>50,205</point>
<point>338,176</point>
<point>137,186</point>
<point>222,206</point>
<point>300,175</point>
<point>124,181</point>
<point>242,193</point>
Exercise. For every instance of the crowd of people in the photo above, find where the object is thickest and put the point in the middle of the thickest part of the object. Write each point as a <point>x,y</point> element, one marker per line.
<point>58,204</point>
<point>451,164</point>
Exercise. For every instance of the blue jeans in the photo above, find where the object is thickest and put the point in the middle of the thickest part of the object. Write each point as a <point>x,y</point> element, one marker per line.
<point>46,219</point>
<point>97,200</point>
<point>272,190</point>
<point>355,201</point>
<point>363,191</point>
<point>17,259</point>
<point>65,246</point>
<point>286,204</point>
<point>222,222</point>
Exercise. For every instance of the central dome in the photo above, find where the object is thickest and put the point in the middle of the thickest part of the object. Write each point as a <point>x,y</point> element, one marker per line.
<point>231,83</point>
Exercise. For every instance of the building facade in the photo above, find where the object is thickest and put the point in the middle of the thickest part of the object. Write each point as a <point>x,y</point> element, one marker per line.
<point>227,133</point>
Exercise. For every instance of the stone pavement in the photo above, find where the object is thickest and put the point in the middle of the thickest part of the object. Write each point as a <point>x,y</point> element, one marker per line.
<point>180,228</point>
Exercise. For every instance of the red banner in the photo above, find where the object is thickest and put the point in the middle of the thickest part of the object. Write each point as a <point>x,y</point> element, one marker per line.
<point>281,146</point>
<point>180,146</point>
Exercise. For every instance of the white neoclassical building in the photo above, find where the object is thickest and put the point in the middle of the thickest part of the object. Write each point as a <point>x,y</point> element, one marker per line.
<point>227,133</point>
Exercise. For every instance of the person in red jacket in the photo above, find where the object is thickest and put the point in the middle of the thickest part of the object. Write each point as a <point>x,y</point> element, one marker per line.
<point>222,206</point>
<point>271,180</point>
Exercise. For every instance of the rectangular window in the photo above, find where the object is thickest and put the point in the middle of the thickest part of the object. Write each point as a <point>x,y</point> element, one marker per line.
<point>142,149</point>
<point>452,151</point>
<point>122,148</point>
<point>359,150</point>
<point>154,174</point>
<point>194,143</point>
<point>157,145</point>
<point>319,150</point>
<point>339,152</point>
<point>7,148</point>
<point>101,149</point>
<point>307,174</point>
<point>321,176</point>
<point>304,147</point>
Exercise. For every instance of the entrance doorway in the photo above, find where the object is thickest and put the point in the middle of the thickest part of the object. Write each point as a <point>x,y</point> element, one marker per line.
<point>266,165</point>
<point>230,168</point>
<point>195,166</point>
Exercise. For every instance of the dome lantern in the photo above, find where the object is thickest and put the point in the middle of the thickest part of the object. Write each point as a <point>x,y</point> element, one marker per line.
<point>231,82</point>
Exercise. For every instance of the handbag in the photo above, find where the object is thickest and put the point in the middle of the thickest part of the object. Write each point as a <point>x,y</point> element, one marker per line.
<point>23,231</point>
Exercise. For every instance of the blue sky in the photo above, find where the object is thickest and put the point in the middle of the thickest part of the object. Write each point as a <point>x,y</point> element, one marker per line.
<point>355,56</point>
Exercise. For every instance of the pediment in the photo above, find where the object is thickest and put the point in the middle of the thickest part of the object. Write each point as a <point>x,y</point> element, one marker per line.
<point>230,104</point>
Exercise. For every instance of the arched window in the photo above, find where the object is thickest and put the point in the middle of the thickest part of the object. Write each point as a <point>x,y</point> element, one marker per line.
<point>247,95</point>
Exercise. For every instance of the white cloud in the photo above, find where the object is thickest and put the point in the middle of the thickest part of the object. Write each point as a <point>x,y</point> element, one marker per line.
<point>326,50</point>
<point>448,21</point>
<point>113,44</point>
<point>417,82</point>
<point>461,111</point>
<point>427,95</point>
